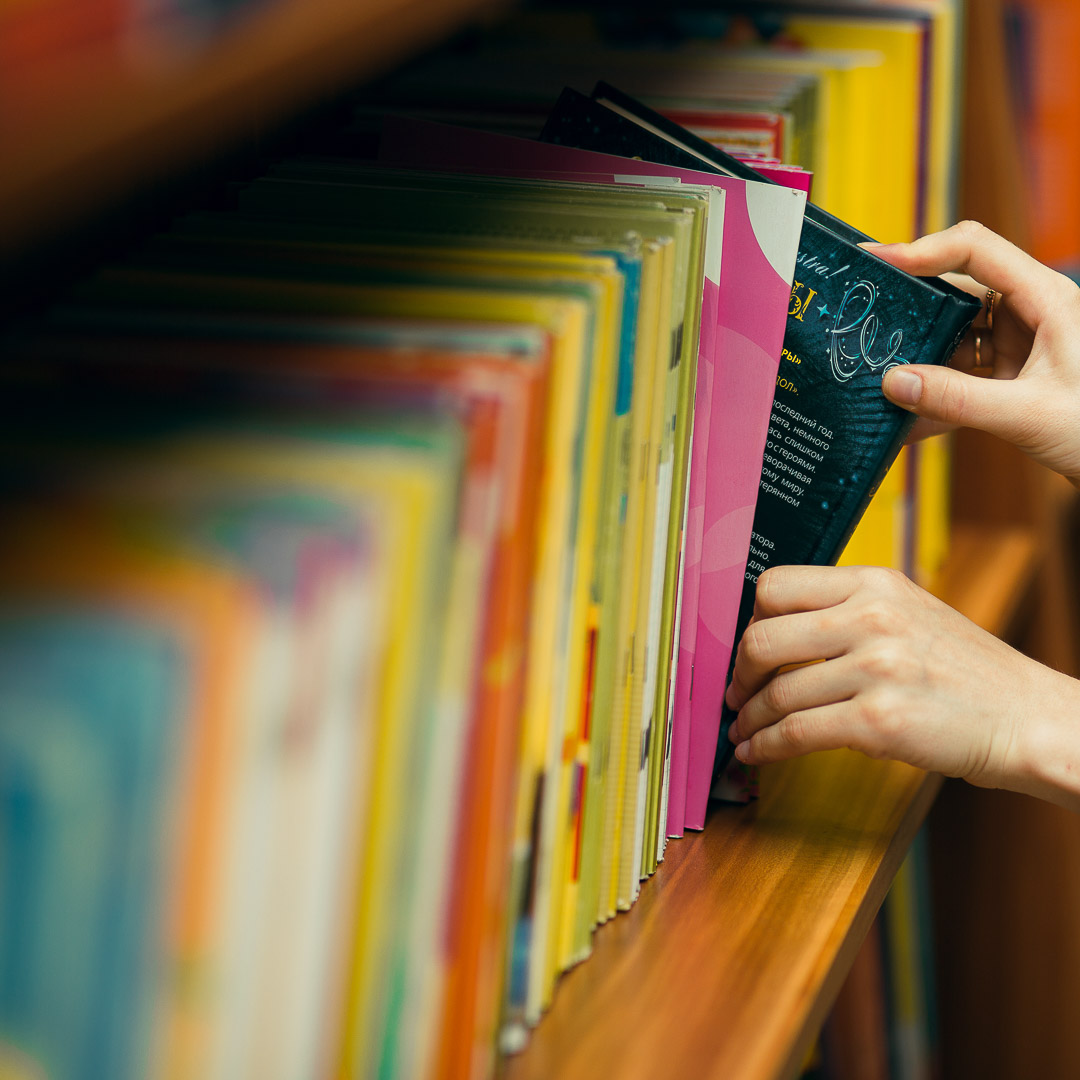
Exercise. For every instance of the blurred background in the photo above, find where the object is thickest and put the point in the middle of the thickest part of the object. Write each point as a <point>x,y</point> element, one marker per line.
<point>157,573</point>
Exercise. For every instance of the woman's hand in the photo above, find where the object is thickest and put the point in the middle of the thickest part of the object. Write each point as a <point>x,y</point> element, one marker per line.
<point>1033,399</point>
<point>899,675</point>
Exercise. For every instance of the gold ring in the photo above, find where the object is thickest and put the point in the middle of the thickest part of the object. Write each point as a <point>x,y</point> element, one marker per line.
<point>978,349</point>
<point>991,298</point>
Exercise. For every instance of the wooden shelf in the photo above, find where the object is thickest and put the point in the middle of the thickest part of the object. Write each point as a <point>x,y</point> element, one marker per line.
<point>120,126</point>
<point>729,961</point>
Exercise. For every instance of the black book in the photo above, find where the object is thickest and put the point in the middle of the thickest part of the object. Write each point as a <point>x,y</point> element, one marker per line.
<point>832,434</point>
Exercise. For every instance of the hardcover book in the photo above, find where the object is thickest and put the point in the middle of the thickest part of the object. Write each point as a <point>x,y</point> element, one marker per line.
<point>831,434</point>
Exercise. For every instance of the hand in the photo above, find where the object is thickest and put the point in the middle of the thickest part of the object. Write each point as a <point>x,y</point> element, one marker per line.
<point>1033,399</point>
<point>899,675</point>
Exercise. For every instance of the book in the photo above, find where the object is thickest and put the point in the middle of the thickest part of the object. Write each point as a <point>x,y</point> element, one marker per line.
<point>851,317</point>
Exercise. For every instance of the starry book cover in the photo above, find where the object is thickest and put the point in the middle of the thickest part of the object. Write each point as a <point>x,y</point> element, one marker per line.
<point>832,434</point>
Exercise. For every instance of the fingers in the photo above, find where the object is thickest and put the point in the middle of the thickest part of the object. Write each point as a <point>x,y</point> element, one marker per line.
<point>784,590</point>
<point>956,399</point>
<point>796,691</point>
<point>791,624</point>
<point>825,728</point>
<point>769,644</point>
<point>801,615</point>
<point>972,249</point>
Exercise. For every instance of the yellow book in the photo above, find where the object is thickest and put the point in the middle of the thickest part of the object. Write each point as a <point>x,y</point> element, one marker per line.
<point>878,539</point>
<point>629,831</point>
<point>945,98</point>
<point>933,490</point>
<point>648,358</point>
<point>895,95</point>
<point>661,450</point>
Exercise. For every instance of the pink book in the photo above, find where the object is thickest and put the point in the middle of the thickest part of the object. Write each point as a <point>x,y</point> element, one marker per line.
<point>788,175</point>
<point>737,365</point>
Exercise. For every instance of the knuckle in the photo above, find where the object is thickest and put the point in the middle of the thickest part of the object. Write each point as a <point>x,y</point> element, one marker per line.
<point>793,732</point>
<point>776,697</point>
<point>830,621</point>
<point>882,592</point>
<point>884,660</point>
<point>881,580</point>
<point>970,229</point>
<point>877,617</point>
<point>880,715</point>
<point>755,643</point>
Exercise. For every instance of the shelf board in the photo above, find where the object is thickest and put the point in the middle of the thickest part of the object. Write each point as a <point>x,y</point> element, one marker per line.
<point>729,961</point>
<point>120,126</point>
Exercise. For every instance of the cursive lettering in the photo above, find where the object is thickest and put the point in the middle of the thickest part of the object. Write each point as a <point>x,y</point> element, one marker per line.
<point>854,332</point>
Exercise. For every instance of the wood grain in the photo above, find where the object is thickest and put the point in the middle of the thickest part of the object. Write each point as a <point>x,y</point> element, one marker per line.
<point>728,963</point>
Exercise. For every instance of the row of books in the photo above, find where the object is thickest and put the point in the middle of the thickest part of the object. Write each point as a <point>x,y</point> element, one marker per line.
<point>382,538</point>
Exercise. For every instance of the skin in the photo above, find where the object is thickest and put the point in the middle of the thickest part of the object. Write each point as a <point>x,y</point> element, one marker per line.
<point>885,668</point>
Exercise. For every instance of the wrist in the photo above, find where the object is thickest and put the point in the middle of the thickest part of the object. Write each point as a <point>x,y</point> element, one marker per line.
<point>1046,760</point>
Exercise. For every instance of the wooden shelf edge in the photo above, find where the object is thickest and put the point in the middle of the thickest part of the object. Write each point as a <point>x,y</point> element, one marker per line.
<point>126,128</point>
<point>728,963</point>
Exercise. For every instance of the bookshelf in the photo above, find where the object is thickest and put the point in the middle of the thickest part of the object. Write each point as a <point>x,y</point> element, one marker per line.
<point>728,963</point>
<point>731,958</point>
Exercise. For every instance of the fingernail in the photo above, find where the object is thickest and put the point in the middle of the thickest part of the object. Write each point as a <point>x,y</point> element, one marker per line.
<point>903,387</point>
<point>731,698</point>
<point>733,731</point>
<point>742,752</point>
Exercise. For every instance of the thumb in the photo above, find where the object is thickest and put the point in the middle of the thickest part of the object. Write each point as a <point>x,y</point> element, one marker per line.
<point>956,399</point>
